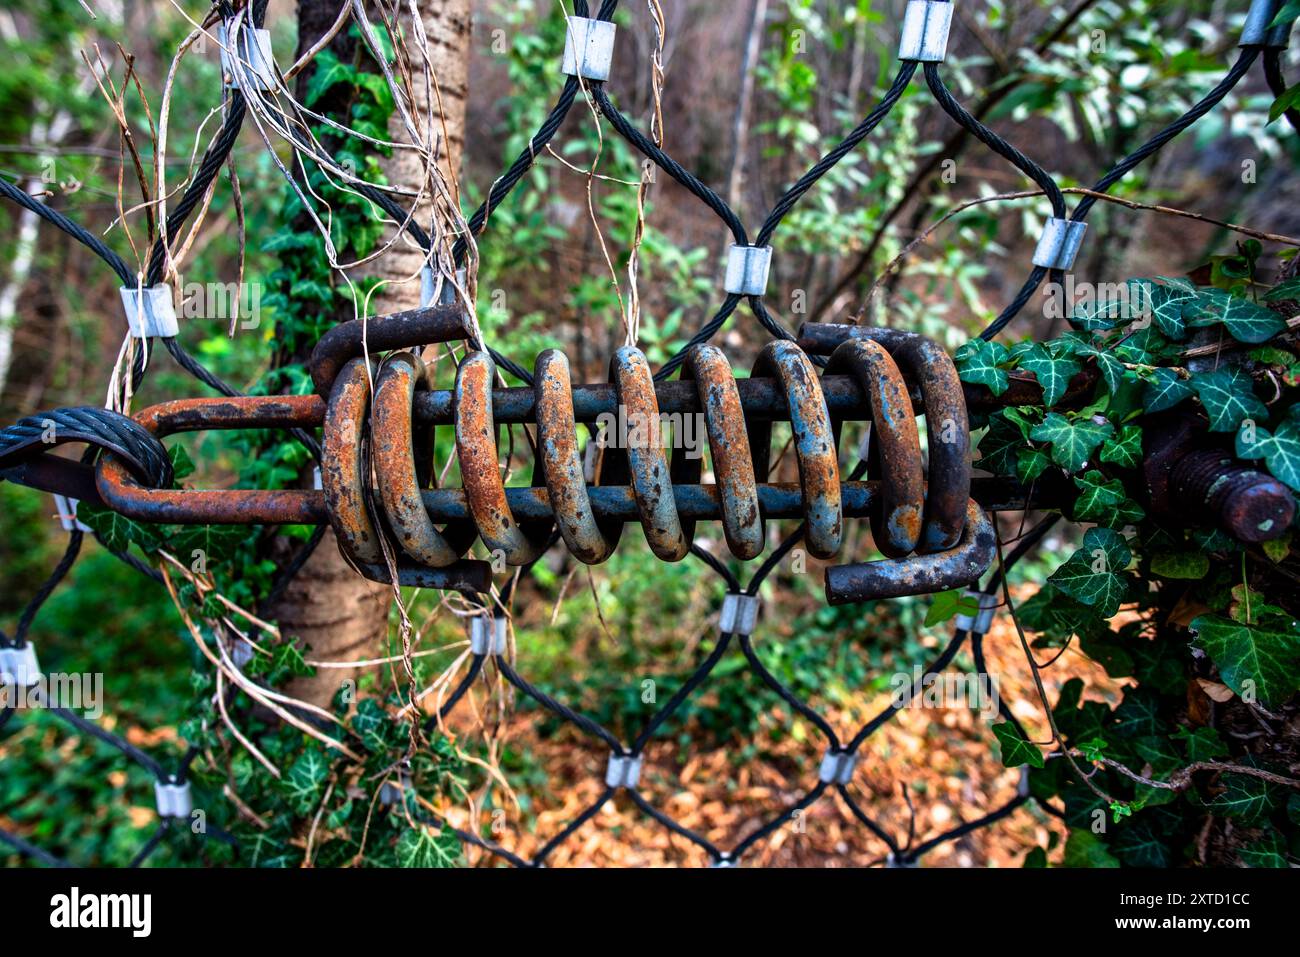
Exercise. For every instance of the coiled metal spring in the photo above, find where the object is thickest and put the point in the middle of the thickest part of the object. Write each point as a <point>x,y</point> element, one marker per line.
<point>933,538</point>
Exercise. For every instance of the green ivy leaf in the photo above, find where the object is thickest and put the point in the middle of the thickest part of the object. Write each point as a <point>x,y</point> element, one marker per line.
<point>1111,368</point>
<point>1228,396</point>
<point>1190,566</point>
<point>329,70</point>
<point>1272,356</point>
<point>1094,575</point>
<point>1247,798</point>
<point>1277,548</point>
<point>1085,849</point>
<point>1072,440</point>
<point>1289,13</point>
<point>1246,321</point>
<point>182,464</point>
<point>1031,464</point>
<point>1015,749</point>
<point>216,542</point>
<point>1287,289</point>
<point>1124,450</point>
<point>1104,502</point>
<point>374,725</point>
<point>302,784</point>
<point>423,847</point>
<point>950,604</point>
<point>1052,371</point>
<point>1000,446</point>
<point>1257,661</point>
<point>1164,390</point>
<point>1097,316</point>
<point>1172,304</point>
<point>1201,744</point>
<point>1268,851</point>
<point>117,531</point>
<point>1288,100</point>
<point>1280,449</point>
<point>1036,858</point>
<point>1092,748</point>
<point>978,362</point>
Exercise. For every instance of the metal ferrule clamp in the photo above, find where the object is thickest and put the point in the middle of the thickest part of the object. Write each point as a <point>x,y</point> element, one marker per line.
<point>924,37</point>
<point>588,48</point>
<point>1058,246</point>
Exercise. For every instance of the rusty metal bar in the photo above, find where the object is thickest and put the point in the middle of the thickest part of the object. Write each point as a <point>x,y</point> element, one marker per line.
<point>763,398</point>
<point>122,493</point>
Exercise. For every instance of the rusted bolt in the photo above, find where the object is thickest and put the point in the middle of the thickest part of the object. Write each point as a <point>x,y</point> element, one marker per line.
<point>1247,504</point>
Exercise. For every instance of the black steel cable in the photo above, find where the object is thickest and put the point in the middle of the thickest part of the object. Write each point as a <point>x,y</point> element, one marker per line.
<point>1208,102</point>
<point>48,586</point>
<point>209,167</point>
<point>791,196</point>
<point>54,217</point>
<point>35,435</point>
<point>668,164</point>
<point>1117,172</point>
<point>993,141</point>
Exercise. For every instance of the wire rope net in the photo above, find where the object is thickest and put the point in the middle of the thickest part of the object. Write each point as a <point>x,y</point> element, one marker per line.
<point>260,99</point>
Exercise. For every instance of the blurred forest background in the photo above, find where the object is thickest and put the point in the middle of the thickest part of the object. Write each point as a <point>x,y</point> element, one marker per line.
<point>755,91</point>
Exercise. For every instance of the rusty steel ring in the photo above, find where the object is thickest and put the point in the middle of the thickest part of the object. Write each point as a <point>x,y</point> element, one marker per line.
<point>392,445</point>
<point>343,465</point>
<point>947,442</point>
<point>641,460</point>
<point>480,469</point>
<point>561,463</point>
<point>895,445</point>
<point>733,465</point>
<point>814,444</point>
<point>947,431</point>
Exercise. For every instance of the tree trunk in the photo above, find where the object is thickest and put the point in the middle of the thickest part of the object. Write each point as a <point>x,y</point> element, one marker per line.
<point>328,606</point>
<point>447,25</point>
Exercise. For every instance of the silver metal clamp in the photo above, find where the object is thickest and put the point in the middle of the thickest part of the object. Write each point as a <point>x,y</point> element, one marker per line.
<point>429,294</point>
<point>924,36</point>
<point>394,788</point>
<point>1058,246</point>
<point>173,799</point>
<point>252,50</point>
<point>20,667</point>
<point>588,48</point>
<point>487,634</point>
<point>837,767</point>
<point>739,614</point>
<point>982,620</point>
<point>66,512</point>
<point>623,771</point>
<point>1255,30</point>
<point>747,269</point>
<point>150,311</point>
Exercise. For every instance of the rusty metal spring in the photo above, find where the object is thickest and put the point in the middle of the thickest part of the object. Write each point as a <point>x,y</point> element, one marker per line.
<point>932,538</point>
